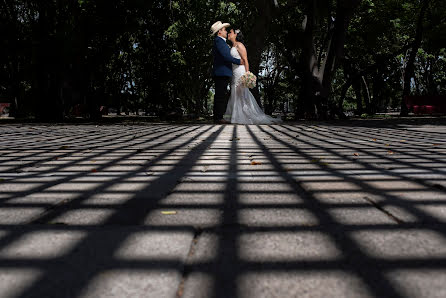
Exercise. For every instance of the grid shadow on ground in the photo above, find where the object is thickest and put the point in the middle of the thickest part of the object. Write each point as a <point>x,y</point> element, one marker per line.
<point>259,211</point>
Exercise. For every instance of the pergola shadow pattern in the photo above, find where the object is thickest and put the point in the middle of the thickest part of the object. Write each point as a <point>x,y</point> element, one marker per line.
<point>354,209</point>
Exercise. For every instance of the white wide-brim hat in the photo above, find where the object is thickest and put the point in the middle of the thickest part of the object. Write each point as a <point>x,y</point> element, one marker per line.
<point>217,26</point>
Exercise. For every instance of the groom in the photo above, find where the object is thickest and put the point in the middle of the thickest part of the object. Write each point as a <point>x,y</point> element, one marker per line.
<point>222,71</point>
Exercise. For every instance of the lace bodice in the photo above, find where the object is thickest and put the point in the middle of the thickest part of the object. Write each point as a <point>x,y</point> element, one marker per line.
<point>237,70</point>
<point>235,53</point>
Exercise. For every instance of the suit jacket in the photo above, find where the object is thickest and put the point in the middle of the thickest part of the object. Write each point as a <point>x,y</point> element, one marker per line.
<point>222,59</point>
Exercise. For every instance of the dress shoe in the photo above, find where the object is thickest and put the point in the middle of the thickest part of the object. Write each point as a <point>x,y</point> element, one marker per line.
<point>221,121</point>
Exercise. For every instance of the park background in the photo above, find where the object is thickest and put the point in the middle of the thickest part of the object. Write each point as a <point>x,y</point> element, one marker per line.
<point>314,59</point>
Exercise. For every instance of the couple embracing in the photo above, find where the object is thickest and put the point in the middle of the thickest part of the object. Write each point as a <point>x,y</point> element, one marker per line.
<point>229,66</point>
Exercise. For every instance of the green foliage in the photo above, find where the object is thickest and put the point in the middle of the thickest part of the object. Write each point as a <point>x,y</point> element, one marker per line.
<point>157,55</point>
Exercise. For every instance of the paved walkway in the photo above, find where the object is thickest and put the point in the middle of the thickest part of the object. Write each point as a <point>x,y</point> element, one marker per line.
<point>344,209</point>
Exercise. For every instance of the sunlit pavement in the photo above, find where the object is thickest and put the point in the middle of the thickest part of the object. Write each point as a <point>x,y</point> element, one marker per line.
<point>342,209</point>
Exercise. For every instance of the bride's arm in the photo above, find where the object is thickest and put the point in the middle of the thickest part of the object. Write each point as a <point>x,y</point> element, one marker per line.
<point>242,51</point>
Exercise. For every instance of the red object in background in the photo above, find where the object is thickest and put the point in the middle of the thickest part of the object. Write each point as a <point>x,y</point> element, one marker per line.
<point>3,106</point>
<point>429,109</point>
<point>426,104</point>
<point>423,109</point>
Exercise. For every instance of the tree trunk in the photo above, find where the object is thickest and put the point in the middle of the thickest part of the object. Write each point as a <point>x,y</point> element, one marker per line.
<point>378,84</point>
<point>410,66</point>
<point>366,95</point>
<point>47,98</point>
<point>345,88</point>
<point>357,88</point>
<point>255,46</point>
<point>316,82</point>
<point>309,86</point>
<point>12,53</point>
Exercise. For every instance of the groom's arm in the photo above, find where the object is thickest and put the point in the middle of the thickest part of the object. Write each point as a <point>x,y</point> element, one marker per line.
<point>223,49</point>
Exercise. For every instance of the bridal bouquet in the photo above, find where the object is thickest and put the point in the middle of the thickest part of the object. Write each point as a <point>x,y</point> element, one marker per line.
<point>248,80</point>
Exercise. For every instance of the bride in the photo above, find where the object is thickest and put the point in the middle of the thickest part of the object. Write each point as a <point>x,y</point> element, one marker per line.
<point>242,107</point>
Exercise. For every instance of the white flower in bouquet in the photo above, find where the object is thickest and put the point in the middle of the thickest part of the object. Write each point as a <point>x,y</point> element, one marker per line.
<point>248,80</point>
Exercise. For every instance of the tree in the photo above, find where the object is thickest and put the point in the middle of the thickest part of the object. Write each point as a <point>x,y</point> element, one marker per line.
<point>61,59</point>
<point>409,70</point>
<point>322,53</point>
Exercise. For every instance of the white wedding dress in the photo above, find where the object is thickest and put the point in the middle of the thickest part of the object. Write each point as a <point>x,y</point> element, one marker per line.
<point>242,107</point>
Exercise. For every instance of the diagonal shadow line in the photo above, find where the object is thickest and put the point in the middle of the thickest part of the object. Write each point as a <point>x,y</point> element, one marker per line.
<point>85,139</point>
<point>362,137</point>
<point>436,136</point>
<point>76,202</point>
<point>21,137</point>
<point>110,138</point>
<point>369,273</point>
<point>392,124</point>
<point>390,133</point>
<point>67,154</point>
<point>408,145</point>
<point>391,199</point>
<point>434,160</point>
<point>385,133</point>
<point>123,142</point>
<point>81,174</point>
<point>382,170</point>
<point>119,139</point>
<point>109,246</point>
<point>224,270</point>
<point>356,149</point>
<point>48,136</point>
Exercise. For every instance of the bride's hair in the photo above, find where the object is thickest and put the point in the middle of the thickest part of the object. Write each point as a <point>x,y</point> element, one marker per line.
<point>239,37</point>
